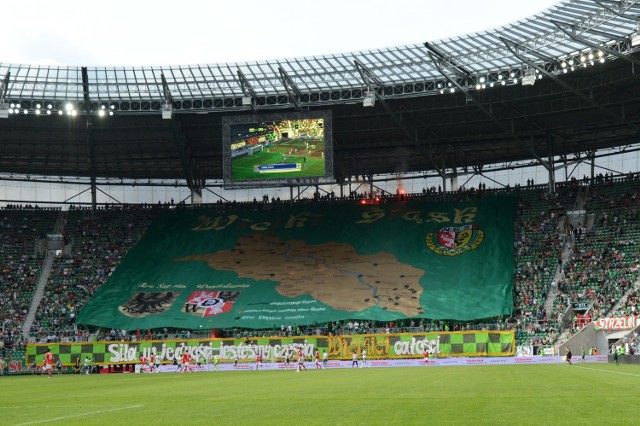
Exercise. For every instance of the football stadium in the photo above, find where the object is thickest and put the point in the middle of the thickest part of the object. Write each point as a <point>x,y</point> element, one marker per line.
<point>445,232</point>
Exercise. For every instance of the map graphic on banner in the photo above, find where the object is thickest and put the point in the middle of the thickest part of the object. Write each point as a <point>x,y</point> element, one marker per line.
<point>264,265</point>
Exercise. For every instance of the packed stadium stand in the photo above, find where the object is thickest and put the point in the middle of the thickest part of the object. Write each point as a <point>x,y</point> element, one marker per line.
<point>94,246</point>
<point>551,296</point>
<point>22,230</point>
<point>554,92</point>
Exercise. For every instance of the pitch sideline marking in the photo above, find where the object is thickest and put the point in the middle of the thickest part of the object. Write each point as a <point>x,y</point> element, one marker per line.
<point>80,415</point>
<point>610,371</point>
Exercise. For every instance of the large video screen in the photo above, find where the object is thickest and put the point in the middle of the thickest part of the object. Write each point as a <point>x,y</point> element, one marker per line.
<point>277,146</point>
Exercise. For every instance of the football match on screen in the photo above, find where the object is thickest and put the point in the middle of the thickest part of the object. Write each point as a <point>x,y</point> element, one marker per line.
<point>282,149</point>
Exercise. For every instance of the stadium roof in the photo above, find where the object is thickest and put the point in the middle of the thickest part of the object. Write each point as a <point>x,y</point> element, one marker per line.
<point>561,82</point>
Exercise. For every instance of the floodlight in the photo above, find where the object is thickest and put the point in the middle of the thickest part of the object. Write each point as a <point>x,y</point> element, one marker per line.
<point>167,111</point>
<point>529,78</point>
<point>369,99</point>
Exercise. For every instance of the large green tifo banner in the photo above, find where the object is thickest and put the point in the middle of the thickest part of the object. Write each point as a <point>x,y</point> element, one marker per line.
<point>313,263</point>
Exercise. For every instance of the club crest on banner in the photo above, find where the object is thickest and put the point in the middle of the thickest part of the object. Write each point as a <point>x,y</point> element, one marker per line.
<point>451,241</point>
<point>144,303</point>
<point>206,304</point>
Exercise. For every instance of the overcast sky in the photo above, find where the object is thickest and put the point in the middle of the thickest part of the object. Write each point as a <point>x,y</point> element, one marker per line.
<point>159,32</point>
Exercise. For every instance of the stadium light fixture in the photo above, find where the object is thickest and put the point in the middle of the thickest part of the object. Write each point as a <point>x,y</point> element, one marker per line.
<point>529,78</point>
<point>167,111</point>
<point>369,99</point>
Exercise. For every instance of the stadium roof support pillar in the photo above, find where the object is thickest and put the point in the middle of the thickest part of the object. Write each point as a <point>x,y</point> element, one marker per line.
<point>247,91</point>
<point>189,164</point>
<point>292,90</point>
<point>196,196</point>
<point>551,170</point>
<point>167,106</point>
<point>4,86</point>
<point>89,139</point>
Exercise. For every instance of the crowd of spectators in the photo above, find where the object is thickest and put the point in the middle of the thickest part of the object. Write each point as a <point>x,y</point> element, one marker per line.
<point>20,264</point>
<point>98,242</point>
<point>601,268</point>
<point>604,264</point>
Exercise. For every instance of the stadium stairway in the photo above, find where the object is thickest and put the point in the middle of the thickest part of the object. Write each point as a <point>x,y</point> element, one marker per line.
<point>45,272</point>
<point>47,264</point>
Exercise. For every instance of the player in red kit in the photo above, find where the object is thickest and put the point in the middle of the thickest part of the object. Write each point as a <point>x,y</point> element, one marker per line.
<point>301,360</point>
<point>186,362</point>
<point>317,355</point>
<point>426,357</point>
<point>48,363</point>
<point>143,363</point>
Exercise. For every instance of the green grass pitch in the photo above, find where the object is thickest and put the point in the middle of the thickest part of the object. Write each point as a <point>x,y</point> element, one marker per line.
<point>474,395</point>
<point>242,168</point>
